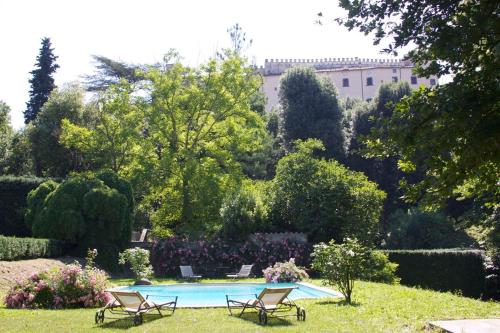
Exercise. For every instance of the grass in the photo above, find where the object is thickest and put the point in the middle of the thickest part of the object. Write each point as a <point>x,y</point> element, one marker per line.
<point>377,308</point>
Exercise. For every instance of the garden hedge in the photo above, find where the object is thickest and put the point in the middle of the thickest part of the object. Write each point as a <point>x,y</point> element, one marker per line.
<point>13,193</point>
<point>442,269</point>
<point>13,248</point>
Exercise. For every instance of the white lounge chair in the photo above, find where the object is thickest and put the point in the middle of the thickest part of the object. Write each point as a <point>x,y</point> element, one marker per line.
<point>270,302</point>
<point>187,273</point>
<point>243,273</point>
<point>132,303</point>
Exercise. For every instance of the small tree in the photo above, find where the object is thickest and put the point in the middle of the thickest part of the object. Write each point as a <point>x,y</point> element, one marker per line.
<point>139,261</point>
<point>341,264</point>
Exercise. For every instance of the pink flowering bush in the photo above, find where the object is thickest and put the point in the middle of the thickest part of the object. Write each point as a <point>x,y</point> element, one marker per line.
<point>284,272</point>
<point>69,287</point>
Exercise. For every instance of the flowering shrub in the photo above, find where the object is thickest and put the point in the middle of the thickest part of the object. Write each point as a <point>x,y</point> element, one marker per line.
<point>168,254</point>
<point>67,287</point>
<point>284,272</point>
<point>139,261</point>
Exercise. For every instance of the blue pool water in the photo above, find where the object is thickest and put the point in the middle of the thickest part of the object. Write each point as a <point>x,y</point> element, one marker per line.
<point>214,294</point>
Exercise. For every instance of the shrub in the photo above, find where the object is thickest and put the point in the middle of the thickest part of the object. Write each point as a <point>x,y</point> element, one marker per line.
<point>341,264</point>
<point>13,193</point>
<point>67,287</point>
<point>139,261</point>
<point>284,272</point>
<point>380,269</point>
<point>415,229</point>
<point>323,198</point>
<point>91,212</point>
<point>443,270</point>
<point>168,254</point>
<point>12,248</point>
<point>244,212</point>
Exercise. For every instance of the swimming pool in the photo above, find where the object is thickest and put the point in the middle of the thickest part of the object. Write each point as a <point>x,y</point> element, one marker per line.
<point>199,295</point>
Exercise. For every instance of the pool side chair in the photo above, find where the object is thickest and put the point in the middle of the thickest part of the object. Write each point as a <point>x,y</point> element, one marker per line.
<point>271,302</point>
<point>133,304</point>
<point>244,272</point>
<point>187,273</point>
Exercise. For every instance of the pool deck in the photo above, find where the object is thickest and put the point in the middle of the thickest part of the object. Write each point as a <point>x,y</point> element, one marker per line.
<point>468,325</point>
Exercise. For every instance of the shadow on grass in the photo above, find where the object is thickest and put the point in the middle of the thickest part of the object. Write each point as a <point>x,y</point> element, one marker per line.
<point>339,303</point>
<point>271,320</point>
<point>128,322</point>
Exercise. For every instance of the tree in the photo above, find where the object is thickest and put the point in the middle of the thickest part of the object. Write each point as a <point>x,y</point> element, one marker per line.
<point>311,109</point>
<point>6,133</point>
<point>450,130</point>
<point>198,120</point>
<point>50,157</point>
<point>323,198</point>
<point>42,82</point>
<point>111,139</point>
<point>19,161</point>
<point>109,72</point>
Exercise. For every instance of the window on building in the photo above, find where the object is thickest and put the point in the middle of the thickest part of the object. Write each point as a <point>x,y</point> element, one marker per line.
<point>394,70</point>
<point>368,99</point>
<point>413,80</point>
<point>275,88</point>
<point>433,82</point>
<point>395,79</point>
<point>345,82</point>
<point>369,81</point>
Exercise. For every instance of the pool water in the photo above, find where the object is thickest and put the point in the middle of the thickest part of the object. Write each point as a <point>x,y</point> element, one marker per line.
<point>214,294</point>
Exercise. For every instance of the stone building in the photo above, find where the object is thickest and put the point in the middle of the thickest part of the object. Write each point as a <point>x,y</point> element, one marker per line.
<point>353,77</point>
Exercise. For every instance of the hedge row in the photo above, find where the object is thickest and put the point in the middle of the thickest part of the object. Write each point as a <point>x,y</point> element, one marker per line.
<point>13,193</point>
<point>12,248</point>
<point>442,269</point>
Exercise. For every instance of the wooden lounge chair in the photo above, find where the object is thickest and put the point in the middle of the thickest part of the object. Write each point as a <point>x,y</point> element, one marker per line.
<point>187,273</point>
<point>271,302</point>
<point>132,303</point>
<point>243,273</point>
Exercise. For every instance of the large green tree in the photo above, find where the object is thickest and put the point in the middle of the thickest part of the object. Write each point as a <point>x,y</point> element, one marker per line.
<point>452,130</point>
<point>109,72</point>
<point>42,82</point>
<point>311,109</point>
<point>5,135</point>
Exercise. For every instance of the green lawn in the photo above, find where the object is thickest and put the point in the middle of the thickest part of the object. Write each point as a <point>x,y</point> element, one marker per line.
<point>378,308</point>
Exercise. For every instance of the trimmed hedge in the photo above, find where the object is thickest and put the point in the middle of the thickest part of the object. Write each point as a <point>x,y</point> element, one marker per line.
<point>13,193</point>
<point>442,269</point>
<point>12,248</point>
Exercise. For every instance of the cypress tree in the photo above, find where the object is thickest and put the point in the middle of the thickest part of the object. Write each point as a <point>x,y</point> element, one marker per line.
<point>42,82</point>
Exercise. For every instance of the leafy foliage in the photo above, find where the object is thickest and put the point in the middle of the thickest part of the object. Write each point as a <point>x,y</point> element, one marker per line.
<point>91,212</point>
<point>13,193</point>
<point>311,109</point>
<point>13,248</point>
<point>110,72</point>
<point>19,161</point>
<point>6,133</point>
<point>139,261</point>
<point>42,82</point>
<point>322,198</point>
<point>284,272</point>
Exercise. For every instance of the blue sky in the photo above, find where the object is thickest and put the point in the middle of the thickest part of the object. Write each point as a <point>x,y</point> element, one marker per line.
<point>142,31</point>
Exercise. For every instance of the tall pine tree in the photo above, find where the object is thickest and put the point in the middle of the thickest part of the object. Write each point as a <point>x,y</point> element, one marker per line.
<point>42,82</point>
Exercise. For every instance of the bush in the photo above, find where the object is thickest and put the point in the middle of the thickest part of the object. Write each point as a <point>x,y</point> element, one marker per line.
<point>12,248</point>
<point>323,198</point>
<point>244,212</point>
<point>380,269</point>
<point>415,229</point>
<point>284,272</point>
<point>13,193</point>
<point>139,261</point>
<point>341,264</point>
<point>91,212</point>
<point>443,270</point>
<point>168,254</point>
<point>67,287</point>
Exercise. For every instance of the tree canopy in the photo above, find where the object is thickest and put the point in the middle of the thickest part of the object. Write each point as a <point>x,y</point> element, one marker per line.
<point>42,82</point>
<point>450,130</point>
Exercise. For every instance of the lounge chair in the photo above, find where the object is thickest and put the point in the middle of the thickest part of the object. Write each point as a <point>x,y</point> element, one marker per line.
<point>132,303</point>
<point>243,273</point>
<point>187,273</point>
<point>270,302</point>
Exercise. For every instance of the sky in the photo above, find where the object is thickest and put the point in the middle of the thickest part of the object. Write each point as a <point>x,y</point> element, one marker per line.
<point>143,31</point>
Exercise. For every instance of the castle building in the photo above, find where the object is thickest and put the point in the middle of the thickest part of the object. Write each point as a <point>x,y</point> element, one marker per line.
<point>353,77</point>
